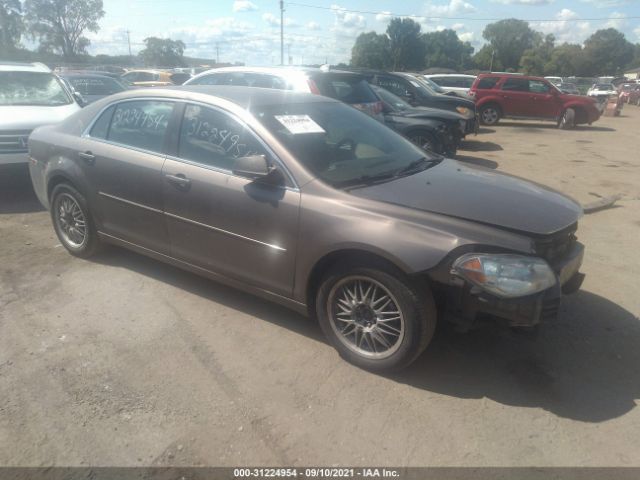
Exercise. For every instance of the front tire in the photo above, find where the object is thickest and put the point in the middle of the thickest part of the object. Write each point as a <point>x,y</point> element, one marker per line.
<point>375,317</point>
<point>72,221</point>
<point>425,141</point>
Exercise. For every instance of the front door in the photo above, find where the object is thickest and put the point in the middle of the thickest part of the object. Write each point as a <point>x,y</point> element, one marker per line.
<point>516,99</point>
<point>545,103</point>
<point>231,225</point>
<point>123,157</point>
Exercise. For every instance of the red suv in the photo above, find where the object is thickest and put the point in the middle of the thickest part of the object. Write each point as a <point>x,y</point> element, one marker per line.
<point>519,96</point>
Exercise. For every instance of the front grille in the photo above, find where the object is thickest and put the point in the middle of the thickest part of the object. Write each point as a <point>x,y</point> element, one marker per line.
<point>14,141</point>
<point>556,246</point>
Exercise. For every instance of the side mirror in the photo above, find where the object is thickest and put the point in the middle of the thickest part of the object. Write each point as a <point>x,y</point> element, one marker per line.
<point>77,96</point>
<point>256,167</point>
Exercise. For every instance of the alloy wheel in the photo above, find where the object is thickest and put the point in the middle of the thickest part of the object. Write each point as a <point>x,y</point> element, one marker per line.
<point>366,317</point>
<point>70,221</point>
<point>489,115</point>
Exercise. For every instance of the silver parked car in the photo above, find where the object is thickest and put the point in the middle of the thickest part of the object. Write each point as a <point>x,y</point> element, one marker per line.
<point>30,96</point>
<point>308,202</point>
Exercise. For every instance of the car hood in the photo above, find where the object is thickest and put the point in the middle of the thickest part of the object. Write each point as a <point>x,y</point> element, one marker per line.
<point>480,195</point>
<point>28,117</point>
<point>426,112</point>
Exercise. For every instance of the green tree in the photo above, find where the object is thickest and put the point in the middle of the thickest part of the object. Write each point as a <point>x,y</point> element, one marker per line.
<point>444,49</point>
<point>567,60</point>
<point>11,26</point>
<point>60,24</point>
<point>510,38</point>
<point>608,51</point>
<point>163,52</point>
<point>534,60</point>
<point>371,50</point>
<point>486,59</point>
<point>405,44</point>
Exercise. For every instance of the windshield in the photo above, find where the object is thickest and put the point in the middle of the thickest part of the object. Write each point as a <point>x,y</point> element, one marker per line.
<point>32,88</point>
<point>96,85</point>
<point>341,145</point>
<point>434,86</point>
<point>605,86</point>
<point>390,99</point>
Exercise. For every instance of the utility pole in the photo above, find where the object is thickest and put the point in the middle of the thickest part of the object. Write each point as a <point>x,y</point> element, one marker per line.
<point>281,32</point>
<point>129,42</point>
<point>493,52</point>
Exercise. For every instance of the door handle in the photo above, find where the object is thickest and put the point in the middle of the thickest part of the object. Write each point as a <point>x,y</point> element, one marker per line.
<point>179,180</point>
<point>88,157</point>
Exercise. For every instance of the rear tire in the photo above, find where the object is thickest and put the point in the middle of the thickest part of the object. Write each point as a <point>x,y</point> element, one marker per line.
<point>568,119</point>
<point>490,114</point>
<point>72,221</point>
<point>425,140</point>
<point>375,317</point>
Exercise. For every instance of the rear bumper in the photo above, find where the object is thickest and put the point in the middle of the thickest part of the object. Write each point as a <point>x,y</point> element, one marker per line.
<point>464,304</point>
<point>7,158</point>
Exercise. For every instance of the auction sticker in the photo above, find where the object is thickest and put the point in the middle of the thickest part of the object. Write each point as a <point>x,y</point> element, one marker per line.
<point>299,124</point>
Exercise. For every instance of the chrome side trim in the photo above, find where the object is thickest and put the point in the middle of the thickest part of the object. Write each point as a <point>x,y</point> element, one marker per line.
<point>226,232</point>
<point>129,202</point>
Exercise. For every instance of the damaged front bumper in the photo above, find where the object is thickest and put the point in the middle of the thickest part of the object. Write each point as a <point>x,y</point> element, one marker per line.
<point>464,303</point>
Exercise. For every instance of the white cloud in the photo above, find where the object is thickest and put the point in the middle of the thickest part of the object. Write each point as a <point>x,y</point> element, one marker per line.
<point>274,21</point>
<point>525,2</point>
<point>384,17</point>
<point>616,20</point>
<point>347,24</point>
<point>637,32</point>
<point>244,6</point>
<point>467,37</point>
<point>313,26</point>
<point>454,7</point>
<point>607,3</point>
<point>457,26</point>
<point>566,29</point>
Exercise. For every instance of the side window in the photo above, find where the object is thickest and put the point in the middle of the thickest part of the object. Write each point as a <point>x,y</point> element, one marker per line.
<point>101,126</point>
<point>131,76</point>
<point>141,124</point>
<point>394,86</point>
<point>213,79</point>
<point>537,86</point>
<point>516,85</point>
<point>467,82</point>
<point>214,138</point>
<point>487,83</point>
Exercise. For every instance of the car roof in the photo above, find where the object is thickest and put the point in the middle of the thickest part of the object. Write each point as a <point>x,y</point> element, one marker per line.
<point>465,75</point>
<point>85,75</point>
<point>514,75</point>
<point>282,71</point>
<point>24,67</point>
<point>244,97</point>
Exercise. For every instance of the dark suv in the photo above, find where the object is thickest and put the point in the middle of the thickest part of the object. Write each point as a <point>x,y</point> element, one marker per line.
<point>415,91</point>
<point>508,95</point>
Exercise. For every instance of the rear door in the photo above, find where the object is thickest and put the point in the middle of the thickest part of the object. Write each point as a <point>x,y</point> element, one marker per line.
<point>122,158</point>
<point>224,223</point>
<point>516,101</point>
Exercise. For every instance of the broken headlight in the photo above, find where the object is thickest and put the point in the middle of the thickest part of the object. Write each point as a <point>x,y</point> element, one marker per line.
<point>505,275</point>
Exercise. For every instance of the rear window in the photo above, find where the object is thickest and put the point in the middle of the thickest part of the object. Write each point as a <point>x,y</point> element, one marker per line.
<point>487,83</point>
<point>346,88</point>
<point>95,85</point>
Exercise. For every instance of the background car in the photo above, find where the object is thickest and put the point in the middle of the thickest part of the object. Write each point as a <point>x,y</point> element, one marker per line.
<point>630,93</point>
<point>148,78</point>
<point>348,87</point>
<point>431,129</point>
<point>453,82</point>
<point>93,87</point>
<point>570,88</point>
<point>417,93</point>
<point>316,206</point>
<point>30,96</point>
<point>602,90</point>
<point>505,95</point>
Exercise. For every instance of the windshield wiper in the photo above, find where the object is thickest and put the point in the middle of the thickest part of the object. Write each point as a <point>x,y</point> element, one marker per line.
<point>366,180</point>
<point>419,165</point>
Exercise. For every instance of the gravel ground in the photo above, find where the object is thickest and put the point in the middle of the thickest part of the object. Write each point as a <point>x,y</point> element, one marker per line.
<point>124,361</point>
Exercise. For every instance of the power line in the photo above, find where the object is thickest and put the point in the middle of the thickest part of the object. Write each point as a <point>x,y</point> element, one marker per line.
<point>432,17</point>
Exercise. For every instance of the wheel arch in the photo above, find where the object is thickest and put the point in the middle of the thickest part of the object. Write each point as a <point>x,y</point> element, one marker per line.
<point>353,256</point>
<point>56,179</point>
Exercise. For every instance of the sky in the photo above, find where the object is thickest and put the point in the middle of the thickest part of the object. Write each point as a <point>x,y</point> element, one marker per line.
<point>317,31</point>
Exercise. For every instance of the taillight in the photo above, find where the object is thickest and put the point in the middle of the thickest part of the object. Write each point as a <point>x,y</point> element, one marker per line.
<point>313,88</point>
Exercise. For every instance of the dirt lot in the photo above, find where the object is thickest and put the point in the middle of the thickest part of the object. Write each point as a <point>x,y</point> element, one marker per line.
<point>125,361</point>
